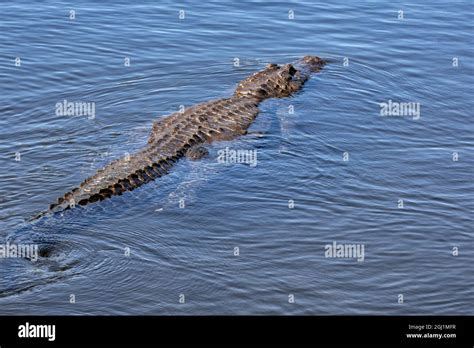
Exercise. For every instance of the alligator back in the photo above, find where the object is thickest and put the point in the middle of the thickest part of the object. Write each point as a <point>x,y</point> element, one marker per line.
<point>178,134</point>
<point>170,139</point>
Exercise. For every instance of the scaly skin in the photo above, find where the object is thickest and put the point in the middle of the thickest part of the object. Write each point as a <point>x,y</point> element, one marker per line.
<point>180,134</point>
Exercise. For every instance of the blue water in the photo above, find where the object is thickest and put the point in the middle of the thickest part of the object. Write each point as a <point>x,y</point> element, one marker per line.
<point>374,57</point>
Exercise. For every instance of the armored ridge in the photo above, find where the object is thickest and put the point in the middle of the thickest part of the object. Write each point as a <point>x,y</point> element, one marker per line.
<point>185,134</point>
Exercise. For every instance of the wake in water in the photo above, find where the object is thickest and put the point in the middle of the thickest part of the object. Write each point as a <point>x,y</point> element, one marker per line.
<point>41,253</point>
<point>63,242</point>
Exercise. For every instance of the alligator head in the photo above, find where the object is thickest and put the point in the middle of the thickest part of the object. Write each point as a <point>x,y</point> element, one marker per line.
<point>278,81</point>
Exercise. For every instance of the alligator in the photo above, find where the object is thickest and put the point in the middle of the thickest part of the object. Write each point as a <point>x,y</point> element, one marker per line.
<point>185,133</point>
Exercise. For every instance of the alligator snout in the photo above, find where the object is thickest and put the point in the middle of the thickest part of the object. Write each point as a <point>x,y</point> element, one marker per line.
<point>313,63</point>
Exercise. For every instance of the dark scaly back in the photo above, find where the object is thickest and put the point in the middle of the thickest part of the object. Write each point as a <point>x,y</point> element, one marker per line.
<point>172,136</point>
<point>169,140</point>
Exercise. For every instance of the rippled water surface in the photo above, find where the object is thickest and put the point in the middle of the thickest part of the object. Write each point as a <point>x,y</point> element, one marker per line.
<point>346,168</point>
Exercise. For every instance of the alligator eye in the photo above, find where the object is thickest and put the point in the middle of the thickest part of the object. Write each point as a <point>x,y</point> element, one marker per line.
<point>291,70</point>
